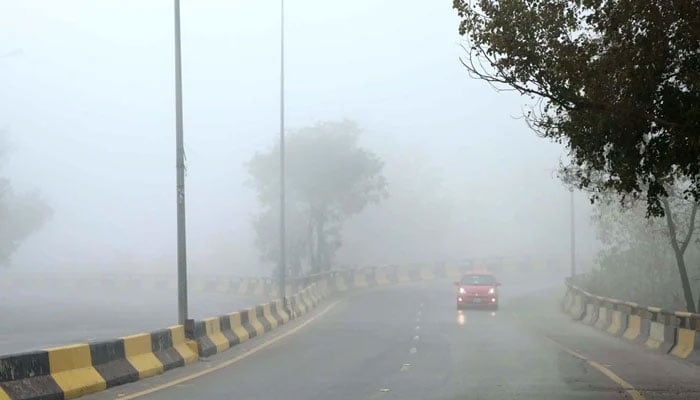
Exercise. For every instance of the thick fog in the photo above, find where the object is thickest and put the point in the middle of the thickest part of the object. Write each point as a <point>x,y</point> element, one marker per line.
<point>88,110</point>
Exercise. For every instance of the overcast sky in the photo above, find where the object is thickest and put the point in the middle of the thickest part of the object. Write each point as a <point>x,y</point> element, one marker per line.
<point>89,110</point>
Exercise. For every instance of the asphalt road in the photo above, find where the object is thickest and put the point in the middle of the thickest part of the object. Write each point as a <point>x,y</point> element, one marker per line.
<point>409,342</point>
<point>32,319</point>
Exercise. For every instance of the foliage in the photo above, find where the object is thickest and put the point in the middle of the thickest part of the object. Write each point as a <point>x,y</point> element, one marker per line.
<point>616,81</point>
<point>637,262</point>
<point>329,177</point>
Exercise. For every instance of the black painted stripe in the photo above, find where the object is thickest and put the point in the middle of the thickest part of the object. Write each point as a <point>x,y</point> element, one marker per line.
<point>260,314</point>
<point>109,360</point>
<point>24,365</point>
<point>245,322</point>
<point>37,388</point>
<point>225,323</point>
<point>162,347</point>
<point>275,314</point>
<point>204,343</point>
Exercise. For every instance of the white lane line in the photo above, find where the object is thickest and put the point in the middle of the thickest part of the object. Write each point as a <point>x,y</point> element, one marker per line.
<point>405,367</point>
<point>416,338</point>
<point>417,327</point>
<point>413,350</point>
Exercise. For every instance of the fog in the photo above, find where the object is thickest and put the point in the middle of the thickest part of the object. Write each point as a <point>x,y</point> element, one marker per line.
<point>88,106</point>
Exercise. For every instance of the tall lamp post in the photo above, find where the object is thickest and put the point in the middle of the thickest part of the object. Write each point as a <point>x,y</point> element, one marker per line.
<point>180,179</point>
<point>283,244</point>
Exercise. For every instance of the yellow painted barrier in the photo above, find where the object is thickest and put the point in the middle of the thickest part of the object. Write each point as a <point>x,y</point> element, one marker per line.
<point>634,324</point>
<point>4,395</point>
<point>237,326</point>
<point>180,344</point>
<point>360,279</point>
<point>71,368</point>
<point>615,323</point>
<point>139,353</point>
<point>212,327</point>
<point>380,277</point>
<point>267,314</point>
<point>253,318</point>
<point>685,342</point>
<point>281,311</point>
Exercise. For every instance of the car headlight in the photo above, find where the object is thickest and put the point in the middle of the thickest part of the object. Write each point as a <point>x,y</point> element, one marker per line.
<point>492,290</point>
<point>461,290</point>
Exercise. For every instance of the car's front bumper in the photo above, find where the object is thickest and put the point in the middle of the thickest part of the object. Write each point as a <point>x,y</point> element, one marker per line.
<point>477,301</point>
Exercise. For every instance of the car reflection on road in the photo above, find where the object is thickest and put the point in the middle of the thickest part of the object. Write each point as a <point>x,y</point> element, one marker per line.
<point>462,316</point>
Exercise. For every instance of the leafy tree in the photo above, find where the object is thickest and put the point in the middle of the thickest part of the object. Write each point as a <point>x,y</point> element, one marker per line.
<point>614,80</point>
<point>329,177</point>
<point>20,214</point>
<point>639,253</point>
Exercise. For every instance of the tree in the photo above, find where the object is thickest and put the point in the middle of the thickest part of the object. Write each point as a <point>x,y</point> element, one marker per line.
<point>640,251</point>
<point>20,214</point>
<point>615,81</point>
<point>329,178</point>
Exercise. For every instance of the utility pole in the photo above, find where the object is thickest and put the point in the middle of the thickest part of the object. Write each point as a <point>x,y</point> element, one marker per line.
<point>283,241</point>
<point>180,179</point>
<point>573,235</point>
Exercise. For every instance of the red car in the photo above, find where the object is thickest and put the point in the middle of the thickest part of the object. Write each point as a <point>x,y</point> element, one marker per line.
<point>477,289</point>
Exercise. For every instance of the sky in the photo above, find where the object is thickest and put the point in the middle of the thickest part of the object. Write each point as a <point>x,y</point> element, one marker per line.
<point>88,106</point>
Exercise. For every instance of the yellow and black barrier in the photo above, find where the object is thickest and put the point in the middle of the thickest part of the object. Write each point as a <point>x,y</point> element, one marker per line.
<point>67,372</point>
<point>675,333</point>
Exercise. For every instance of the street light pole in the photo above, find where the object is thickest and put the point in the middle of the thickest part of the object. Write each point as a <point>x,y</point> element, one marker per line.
<point>573,235</point>
<point>180,179</point>
<point>283,244</point>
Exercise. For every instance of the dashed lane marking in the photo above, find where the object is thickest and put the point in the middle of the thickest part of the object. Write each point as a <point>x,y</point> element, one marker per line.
<point>405,367</point>
<point>416,337</point>
<point>413,350</point>
<point>631,391</point>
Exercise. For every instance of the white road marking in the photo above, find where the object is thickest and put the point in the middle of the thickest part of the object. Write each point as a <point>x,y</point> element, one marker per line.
<point>416,337</point>
<point>413,350</point>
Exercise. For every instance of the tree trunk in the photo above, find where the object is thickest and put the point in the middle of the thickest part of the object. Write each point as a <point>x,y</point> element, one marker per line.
<point>679,251</point>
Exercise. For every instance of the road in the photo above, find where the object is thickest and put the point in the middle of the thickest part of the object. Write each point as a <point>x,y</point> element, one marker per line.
<point>32,319</point>
<point>409,342</point>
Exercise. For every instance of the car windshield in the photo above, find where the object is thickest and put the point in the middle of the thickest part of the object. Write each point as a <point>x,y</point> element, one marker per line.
<point>478,280</point>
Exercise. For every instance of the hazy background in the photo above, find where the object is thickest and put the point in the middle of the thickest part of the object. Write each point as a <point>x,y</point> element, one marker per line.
<point>89,111</point>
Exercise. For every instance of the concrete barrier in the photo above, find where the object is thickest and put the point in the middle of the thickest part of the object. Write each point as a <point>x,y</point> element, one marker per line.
<point>604,314</point>
<point>662,331</point>
<point>687,342</point>
<point>634,323</point>
<point>618,320</point>
<point>591,315</point>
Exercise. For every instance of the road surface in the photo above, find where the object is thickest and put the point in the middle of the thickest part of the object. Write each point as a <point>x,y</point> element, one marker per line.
<point>409,342</point>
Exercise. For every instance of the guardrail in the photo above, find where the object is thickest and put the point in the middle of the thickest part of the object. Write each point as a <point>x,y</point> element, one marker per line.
<point>676,333</point>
